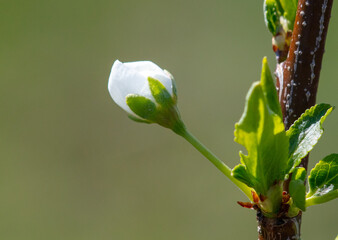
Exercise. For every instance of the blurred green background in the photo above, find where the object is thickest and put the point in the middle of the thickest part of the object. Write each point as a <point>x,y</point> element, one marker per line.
<point>73,166</point>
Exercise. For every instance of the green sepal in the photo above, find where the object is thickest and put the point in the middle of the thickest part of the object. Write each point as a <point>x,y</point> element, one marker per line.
<point>297,188</point>
<point>136,119</point>
<point>174,89</point>
<point>323,181</point>
<point>142,106</point>
<point>271,15</point>
<point>162,111</point>
<point>305,133</point>
<point>160,93</point>
<point>173,83</point>
<point>261,131</point>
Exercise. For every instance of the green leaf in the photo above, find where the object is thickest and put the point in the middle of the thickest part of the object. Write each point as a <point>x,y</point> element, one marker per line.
<point>159,92</point>
<point>240,173</point>
<point>271,15</point>
<point>141,106</point>
<point>323,181</point>
<point>297,188</point>
<point>275,10</point>
<point>261,131</point>
<point>305,133</point>
<point>290,9</point>
<point>269,89</point>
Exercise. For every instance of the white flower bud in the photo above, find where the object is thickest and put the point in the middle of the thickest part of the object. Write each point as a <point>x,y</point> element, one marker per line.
<point>145,91</point>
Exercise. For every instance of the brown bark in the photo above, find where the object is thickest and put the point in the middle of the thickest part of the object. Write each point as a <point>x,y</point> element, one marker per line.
<point>298,76</point>
<point>278,228</point>
<point>297,83</point>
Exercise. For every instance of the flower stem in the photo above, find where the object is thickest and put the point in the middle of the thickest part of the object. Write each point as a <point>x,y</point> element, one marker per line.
<point>214,160</point>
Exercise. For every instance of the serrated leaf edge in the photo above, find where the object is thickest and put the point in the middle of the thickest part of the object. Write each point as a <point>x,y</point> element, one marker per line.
<point>322,119</point>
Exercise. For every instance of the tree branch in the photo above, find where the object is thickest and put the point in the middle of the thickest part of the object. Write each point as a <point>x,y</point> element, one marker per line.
<point>298,76</point>
<point>297,83</point>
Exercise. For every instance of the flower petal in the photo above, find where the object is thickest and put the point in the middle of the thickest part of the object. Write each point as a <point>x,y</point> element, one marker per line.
<point>124,80</point>
<point>150,69</point>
